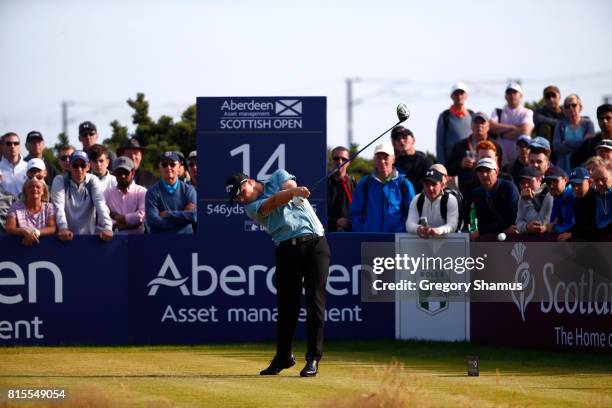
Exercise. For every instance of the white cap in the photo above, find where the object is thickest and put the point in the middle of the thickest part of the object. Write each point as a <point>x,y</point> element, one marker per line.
<point>515,86</point>
<point>459,86</point>
<point>440,168</point>
<point>384,148</point>
<point>487,162</point>
<point>36,164</point>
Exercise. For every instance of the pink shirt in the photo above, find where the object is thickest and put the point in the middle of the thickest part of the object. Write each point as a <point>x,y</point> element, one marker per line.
<point>130,204</point>
<point>516,117</point>
<point>31,221</point>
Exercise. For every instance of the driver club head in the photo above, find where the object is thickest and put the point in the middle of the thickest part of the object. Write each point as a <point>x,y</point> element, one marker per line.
<point>402,112</point>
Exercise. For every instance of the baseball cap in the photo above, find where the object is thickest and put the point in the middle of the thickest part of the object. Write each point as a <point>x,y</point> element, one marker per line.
<point>79,155</point>
<point>192,155</point>
<point>131,144</point>
<point>604,144</point>
<point>480,115</point>
<point>433,175</point>
<point>36,164</point>
<point>233,183</point>
<point>515,86</point>
<point>123,162</point>
<point>384,148</point>
<point>459,86</point>
<point>554,173</point>
<point>539,142</point>
<point>87,127</point>
<point>400,131</point>
<point>578,175</point>
<point>486,162</point>
<point>524,138</point>
<point>169,156</point>
<point>439,167</point>
<point>34,135</point>
<point>529,173</point>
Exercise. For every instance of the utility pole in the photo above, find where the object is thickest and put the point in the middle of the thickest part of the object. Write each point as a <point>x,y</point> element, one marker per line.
<point>65,105</point>
<point>350,102</point>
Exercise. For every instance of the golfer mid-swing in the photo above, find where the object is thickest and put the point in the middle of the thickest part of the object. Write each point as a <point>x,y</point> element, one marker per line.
<point>302,253</point>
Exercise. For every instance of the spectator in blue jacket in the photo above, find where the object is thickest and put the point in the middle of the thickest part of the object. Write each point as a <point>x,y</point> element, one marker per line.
<point>562,216</point>
<point>382,199</point>
<point>170,204</point>
<point>495,200</point>
<point>603,199</point>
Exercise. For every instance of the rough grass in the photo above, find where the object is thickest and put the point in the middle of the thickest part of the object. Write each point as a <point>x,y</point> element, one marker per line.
<point>356,374</point>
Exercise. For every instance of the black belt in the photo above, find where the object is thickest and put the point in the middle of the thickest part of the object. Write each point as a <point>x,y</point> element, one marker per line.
<point>301,239</point>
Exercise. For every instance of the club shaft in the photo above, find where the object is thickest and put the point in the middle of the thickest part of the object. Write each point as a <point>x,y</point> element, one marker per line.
<point>338,167</point>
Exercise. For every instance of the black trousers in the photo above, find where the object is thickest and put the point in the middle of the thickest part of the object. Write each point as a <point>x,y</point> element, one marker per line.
<point>296,262</point>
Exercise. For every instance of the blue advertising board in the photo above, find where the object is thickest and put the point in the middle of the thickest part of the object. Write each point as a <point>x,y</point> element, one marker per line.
<point>155,290</point>
<point>256,136</point>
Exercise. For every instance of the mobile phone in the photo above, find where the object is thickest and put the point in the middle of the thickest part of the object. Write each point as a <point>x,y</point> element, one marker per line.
<point>423,222</point>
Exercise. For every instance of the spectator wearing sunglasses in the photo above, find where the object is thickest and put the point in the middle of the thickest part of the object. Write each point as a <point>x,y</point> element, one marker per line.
<point>570,132</point>
<point>170,205</point>
<point>36,147</point>
<point>88,136</point>
<point>548,115</point>
<point>12,166</point>
<point>340,189</point>
<point>37,170</point>
<point>79,202</point>
<point>64,158</point>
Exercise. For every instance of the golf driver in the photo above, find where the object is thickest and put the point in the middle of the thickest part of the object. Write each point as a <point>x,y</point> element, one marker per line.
<point>402,114</point>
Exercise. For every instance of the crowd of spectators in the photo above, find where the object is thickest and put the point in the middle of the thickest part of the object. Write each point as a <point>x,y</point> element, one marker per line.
<point>94,191</point>
<point>514,171</point>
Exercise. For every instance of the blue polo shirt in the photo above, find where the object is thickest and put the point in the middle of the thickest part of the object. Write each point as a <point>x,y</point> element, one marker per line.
<point>287,221</point>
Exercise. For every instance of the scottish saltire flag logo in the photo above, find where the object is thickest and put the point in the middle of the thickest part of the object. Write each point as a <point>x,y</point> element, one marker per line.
<point>288,107</point>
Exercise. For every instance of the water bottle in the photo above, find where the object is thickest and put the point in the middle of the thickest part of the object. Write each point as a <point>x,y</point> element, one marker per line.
<point>473,219</point>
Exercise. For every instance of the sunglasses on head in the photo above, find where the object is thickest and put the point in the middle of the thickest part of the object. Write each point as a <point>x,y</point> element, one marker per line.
<point>168,164</point>
<point>340,159</point>
<point>11,143</point>
<point>79,165</point>
<point>37,176</point>
<point>570,105</point>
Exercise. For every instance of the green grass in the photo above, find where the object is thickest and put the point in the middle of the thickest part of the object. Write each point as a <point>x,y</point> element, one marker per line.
<point>363,374</point>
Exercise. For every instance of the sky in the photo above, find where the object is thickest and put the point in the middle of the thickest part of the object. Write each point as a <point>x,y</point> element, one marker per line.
<point>97,54</point>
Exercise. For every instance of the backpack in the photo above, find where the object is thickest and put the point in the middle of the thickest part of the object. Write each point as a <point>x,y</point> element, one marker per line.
<point>444,204</point>
<point>446,118</point>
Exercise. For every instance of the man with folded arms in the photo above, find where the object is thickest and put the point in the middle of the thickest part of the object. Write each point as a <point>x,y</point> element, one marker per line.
<point>170,203</point>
